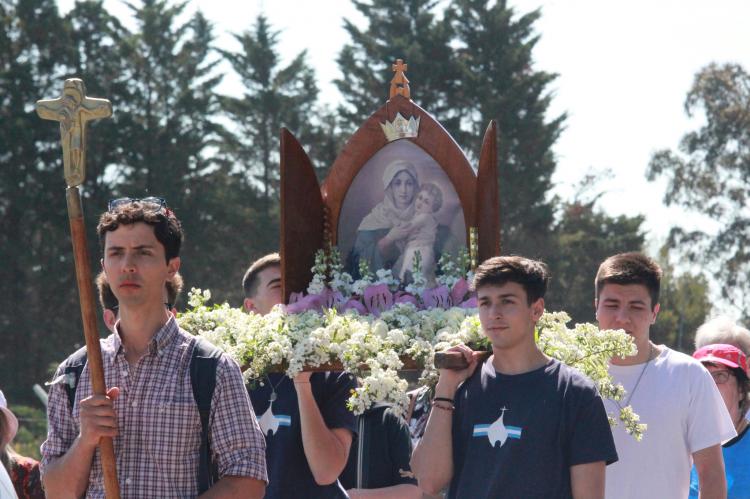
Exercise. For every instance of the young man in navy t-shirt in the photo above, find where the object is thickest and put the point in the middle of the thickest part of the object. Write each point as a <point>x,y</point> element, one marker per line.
<point>307,425</point>
<point>520,424</point>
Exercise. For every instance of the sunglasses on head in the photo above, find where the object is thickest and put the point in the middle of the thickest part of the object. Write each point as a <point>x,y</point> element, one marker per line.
<point>151,200</point>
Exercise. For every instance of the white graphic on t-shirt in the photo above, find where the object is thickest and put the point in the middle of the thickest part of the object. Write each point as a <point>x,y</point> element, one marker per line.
<point>497,431</point>
<point>270,423</point>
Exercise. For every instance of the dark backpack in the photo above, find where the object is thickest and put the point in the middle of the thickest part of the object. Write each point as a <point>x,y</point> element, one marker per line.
<point>203,380</point>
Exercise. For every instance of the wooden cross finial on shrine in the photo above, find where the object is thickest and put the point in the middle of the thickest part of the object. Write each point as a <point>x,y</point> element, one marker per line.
<point>399,82</point>
<point>73,110</point>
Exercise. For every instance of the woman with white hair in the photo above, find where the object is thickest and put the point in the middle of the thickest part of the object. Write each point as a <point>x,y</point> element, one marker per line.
<point>22,473</point>
<point>719,345</point>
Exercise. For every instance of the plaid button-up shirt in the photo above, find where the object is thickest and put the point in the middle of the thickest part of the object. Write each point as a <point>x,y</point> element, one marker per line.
<point>157,448</point>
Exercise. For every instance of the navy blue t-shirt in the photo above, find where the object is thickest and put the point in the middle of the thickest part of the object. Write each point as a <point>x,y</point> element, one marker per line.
<point>289,475</point>
<point>517,436</point>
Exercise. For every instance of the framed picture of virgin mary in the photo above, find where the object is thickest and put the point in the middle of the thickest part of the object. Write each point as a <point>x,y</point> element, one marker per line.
<point>400,204</point>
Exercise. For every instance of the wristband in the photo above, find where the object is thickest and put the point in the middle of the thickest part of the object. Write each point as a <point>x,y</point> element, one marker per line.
<point>443,399</point>
<point>443,407</point>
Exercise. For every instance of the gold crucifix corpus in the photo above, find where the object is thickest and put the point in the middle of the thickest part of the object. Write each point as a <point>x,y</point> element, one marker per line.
<point>73,110</point>
<point>399,82</point>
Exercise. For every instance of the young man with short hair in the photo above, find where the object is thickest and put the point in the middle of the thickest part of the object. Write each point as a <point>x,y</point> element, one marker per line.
<point>520,424</point>
<point>262,284</point>
<point>307,425</point>
<point>149,409</point>
<point>670,391</point>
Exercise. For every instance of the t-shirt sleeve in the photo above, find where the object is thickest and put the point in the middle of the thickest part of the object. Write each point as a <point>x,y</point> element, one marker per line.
<point>399,446</point>
<point>708,421</point>
<point>337,388</point>
<point>591,437</point>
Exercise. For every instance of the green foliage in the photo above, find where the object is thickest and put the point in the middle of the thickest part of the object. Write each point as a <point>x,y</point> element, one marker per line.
<point>274,97</point>
<point>415,35</point>
<point>584,236</point>
<point>34,241</point>
<point>32,430</point>
<point>684,306</point>
<point>710,174</point>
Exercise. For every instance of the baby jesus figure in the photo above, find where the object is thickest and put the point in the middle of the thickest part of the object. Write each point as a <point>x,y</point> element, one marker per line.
<point>421,232</point>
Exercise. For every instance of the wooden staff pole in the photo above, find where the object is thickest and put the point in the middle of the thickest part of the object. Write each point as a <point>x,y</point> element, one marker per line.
<point>73,110</point>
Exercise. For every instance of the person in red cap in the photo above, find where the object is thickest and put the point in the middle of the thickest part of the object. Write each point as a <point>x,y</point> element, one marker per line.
<point>728,367</point>
<point>23,471</point>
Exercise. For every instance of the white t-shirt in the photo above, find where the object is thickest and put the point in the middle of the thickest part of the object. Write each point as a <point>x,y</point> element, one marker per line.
<point>684,411</point>
<point>6,486</point>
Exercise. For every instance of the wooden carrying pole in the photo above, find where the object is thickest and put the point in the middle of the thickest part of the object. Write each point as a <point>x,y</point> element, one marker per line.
<point>73,110</point>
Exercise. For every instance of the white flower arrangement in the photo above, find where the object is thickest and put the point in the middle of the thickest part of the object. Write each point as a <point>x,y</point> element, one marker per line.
<point>374,348</point>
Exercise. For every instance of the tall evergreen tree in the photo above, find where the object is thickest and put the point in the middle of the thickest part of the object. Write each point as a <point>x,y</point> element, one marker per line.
<point>274,97</point>
<point>37,266</point>
<point>499,82</point>
<point>399,29</point>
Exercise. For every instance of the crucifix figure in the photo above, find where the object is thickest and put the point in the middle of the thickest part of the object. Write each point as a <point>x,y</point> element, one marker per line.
<point>73,110</point>
<point>399,82</point>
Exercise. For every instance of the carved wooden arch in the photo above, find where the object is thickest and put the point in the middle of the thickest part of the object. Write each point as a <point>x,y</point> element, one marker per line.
<point>310,214</point>
<point>369,139</point>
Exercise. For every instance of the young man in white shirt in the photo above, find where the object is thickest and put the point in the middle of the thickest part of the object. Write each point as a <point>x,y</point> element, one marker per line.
<point>670,391</point>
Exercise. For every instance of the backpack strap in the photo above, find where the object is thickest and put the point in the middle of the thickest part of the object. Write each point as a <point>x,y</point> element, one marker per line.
<point>72,372</point>
<point>203,379</point>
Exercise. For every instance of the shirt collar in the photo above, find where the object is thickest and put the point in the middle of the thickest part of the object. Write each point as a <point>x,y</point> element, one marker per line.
<point>161,340</point>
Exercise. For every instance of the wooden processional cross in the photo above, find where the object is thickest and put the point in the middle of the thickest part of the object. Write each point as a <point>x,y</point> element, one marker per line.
<point>73,110</point>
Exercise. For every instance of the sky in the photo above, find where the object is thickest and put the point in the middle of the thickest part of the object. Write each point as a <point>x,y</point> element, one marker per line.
<point>624,70</point>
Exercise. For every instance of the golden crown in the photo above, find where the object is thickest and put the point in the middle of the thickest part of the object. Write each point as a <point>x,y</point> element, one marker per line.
<point>400,128</point>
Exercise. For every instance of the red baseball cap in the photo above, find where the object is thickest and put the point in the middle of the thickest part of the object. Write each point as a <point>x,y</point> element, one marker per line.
<point>723,354</point>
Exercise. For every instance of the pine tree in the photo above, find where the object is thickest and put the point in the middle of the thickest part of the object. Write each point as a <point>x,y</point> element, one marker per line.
<point>399,29</point>
<point>499,82</point>
<point>37,267</point>
<point>274,97</point>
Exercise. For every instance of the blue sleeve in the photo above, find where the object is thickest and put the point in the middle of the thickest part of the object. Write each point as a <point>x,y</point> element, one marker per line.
<point>591,436</point>
<point>334,390</point>
<point>399,447</point>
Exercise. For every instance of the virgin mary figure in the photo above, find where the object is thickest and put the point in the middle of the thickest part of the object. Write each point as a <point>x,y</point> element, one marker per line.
<point>381,234</point>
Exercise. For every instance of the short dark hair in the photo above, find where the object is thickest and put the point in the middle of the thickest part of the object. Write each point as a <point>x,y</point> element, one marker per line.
<point>250,281</point>
<point>109,301</point>
<point>167,228</point>
<point>532,275</point>
<point>630,268</point>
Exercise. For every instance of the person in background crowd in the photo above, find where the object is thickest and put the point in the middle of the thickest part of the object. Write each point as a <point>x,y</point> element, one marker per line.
<point>723,330</point>
<point>670,391</point>
<point>378,465</point>
<point>728,367</point>
<point>23,471</point>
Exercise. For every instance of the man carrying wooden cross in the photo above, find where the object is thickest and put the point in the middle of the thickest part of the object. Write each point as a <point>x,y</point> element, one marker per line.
<point>149,409</point>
